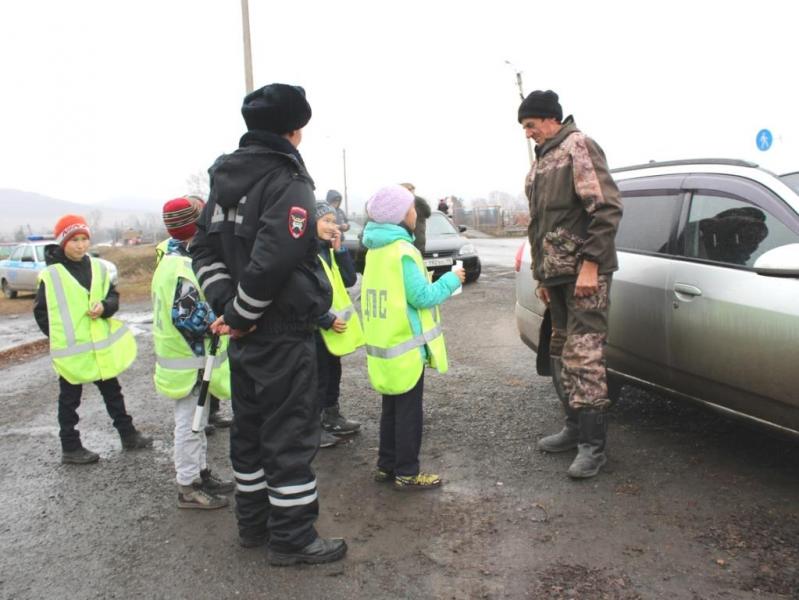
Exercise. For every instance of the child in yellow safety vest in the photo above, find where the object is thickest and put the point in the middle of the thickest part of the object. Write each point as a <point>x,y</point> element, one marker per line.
<point>402,330</point>
<point>73,307</point>
<point>339,329</point>
<point>181,320</point>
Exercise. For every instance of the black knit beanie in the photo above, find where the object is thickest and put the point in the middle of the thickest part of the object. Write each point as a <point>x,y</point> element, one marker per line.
<point>542,105</point>
<point>277,107</point>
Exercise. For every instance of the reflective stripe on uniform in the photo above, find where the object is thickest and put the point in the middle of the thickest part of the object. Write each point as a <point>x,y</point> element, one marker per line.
<point>252,301</point>
<point>192,362</point>
<point>244,312</point>
<point>281,502</point>
<point>400,349</point>
<point>293,489</point>
<point>73,349</point>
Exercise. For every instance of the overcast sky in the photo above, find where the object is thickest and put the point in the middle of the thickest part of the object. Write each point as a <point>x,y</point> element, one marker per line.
<point>105,99</point>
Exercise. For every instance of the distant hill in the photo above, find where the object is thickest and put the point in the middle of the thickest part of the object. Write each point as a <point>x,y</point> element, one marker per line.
<point>39,213</point>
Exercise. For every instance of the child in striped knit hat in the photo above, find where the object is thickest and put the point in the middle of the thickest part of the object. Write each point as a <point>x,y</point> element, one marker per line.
<point>181,318</point>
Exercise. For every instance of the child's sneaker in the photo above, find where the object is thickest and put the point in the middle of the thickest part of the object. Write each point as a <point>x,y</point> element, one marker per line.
<point>383,475</point>
<point>214,485</point>
<point>328,440</point>
<point>336,423</point>
<point>421,481</point>
<point>136,441</point>
<point>193,496</point>
<point>81,456</point>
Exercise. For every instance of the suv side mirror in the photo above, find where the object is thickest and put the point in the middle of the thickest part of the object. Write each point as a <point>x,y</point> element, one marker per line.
<point>462,228</point>
<point>779,262</point>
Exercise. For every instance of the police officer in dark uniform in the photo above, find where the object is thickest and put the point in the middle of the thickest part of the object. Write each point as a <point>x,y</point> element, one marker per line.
<point>255,258</point>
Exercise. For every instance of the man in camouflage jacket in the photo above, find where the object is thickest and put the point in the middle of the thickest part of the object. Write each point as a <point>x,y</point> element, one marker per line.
<point>575,210</point>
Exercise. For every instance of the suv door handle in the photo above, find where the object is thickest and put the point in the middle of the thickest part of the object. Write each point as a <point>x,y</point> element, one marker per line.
<point>686,292</point>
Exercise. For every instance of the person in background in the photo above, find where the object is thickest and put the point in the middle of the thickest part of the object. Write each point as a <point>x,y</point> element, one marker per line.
<point>74,304</point>
<point>181,321</point>
<point>402,329</point>
<point>423,213</point>
<point>333,198</point>
<point>339,329</point>
<point>443,206</point>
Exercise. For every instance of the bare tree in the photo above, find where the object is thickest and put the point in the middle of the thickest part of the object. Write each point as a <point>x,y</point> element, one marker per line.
<point>95,217</point>
<point>198,184</point>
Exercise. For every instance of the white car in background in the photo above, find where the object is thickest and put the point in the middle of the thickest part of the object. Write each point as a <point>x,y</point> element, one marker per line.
<point>20,271</point>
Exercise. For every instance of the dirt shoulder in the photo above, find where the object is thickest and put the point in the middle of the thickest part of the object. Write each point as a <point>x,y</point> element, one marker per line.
<point>690,505</point>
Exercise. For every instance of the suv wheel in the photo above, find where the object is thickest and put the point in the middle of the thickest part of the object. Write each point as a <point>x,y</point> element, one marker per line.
<point>7,291</point>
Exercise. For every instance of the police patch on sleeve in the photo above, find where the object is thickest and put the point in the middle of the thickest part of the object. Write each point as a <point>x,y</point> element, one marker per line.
<point>298,221</point>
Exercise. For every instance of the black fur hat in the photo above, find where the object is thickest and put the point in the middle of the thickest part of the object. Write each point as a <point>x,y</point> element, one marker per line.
<point>278,107</point>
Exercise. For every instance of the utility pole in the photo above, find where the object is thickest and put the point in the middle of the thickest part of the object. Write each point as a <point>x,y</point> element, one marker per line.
<point>245,27</point>
<point>521,95</point>
<point>344,163</point>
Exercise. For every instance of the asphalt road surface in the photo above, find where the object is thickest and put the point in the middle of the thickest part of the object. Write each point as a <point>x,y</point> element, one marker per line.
<point>690,505</point>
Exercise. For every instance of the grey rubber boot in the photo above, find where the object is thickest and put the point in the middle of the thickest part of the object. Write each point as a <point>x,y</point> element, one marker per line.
<point>566,438</point>
<point>591,446</point>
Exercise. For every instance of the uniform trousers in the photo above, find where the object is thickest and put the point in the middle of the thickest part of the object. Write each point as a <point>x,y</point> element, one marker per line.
<point>275,436</point>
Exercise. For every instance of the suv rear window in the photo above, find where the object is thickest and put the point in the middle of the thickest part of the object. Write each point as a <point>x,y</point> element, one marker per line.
<point>649,220</point>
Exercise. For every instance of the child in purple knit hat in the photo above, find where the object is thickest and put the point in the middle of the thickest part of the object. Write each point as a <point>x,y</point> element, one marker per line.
<point>402,330</point>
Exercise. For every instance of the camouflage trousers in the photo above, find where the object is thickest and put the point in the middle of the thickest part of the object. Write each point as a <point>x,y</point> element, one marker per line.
<point>579,332</point>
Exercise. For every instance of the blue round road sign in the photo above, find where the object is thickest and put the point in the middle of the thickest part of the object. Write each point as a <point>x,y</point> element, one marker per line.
<point>764,139</point>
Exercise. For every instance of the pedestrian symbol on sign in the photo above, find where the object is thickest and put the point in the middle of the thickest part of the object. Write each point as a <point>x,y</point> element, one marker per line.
<point>764,140</point>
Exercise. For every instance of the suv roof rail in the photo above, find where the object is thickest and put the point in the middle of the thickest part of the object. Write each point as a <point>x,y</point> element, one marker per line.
<point>734,162</point>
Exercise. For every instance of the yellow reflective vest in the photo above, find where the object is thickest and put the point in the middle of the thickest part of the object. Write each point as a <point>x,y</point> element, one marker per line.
<point>176,366</point>
<point>393,355</point>
<point>84,349</point>
<point>351,339</point>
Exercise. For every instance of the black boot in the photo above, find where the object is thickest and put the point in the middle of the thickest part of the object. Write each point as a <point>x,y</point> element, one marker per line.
<point>136,441</point>
<point>566,438</point>
<point>336,423</point>
<point>591,447</point>
<point>321,550</point>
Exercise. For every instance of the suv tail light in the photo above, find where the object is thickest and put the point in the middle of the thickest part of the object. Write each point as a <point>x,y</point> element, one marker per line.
<point>518,260</point>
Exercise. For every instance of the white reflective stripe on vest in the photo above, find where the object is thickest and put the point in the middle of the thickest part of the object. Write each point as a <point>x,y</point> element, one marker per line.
<point>63,309</point>
<point>73,349</point>
<point>190,362</point>
<point>404,347</point>
<point>344,315</point>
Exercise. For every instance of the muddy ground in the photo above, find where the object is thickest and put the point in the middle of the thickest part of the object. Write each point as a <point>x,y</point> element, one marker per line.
<point>691,505</point>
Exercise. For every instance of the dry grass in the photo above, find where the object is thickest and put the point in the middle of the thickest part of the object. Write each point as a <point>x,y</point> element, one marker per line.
<point>135,264</point>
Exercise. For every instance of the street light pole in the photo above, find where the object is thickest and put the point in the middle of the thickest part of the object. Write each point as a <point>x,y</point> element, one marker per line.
<point>245,26</point>
<point>521,95</point>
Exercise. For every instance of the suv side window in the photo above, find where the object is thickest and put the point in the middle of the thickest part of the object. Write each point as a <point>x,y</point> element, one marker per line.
<point>17,254</point>
<point>39,253</point>
<point>649,221</point>
<point>731,231</point>
<point>27,254</point>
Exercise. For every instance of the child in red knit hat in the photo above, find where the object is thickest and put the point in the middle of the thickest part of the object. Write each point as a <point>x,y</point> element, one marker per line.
<point>73,307</point>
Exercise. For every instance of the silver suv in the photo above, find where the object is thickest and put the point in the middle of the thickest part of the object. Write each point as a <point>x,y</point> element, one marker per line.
<point>705,304</point>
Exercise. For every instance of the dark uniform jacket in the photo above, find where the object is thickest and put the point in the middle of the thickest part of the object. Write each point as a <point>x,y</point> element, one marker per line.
<point>575,207</point>
<point>82,272</point>
<point>255,252</point>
